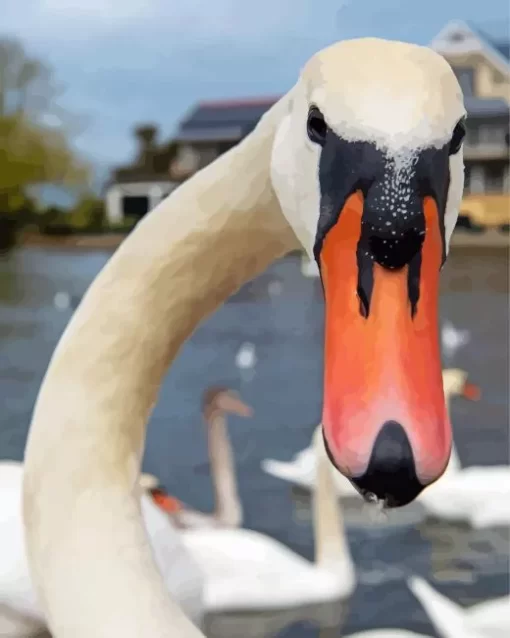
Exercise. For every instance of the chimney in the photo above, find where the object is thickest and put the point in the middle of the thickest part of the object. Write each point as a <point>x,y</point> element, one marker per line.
<point>146,134</point>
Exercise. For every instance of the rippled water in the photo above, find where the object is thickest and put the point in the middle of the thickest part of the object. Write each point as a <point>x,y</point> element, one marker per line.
<point>281,313</point>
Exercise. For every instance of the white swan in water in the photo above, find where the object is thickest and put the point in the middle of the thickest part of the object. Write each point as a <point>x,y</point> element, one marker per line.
<point>480,494</point>
<point>488,619</point>
<point>21,615</point>
<point>286,183</point>
<point>228,509</point>
<point>245,569</point>
<point>301,469</point>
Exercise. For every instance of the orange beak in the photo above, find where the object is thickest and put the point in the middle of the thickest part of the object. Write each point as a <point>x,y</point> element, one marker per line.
<point>384,418</point>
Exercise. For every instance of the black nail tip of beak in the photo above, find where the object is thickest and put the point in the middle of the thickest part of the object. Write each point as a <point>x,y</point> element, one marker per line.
<point>391,473</point>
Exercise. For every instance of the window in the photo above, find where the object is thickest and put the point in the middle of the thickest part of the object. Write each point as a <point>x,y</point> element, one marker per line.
<point>466,78</point>
<point>494,179</point>
<point>223,147</point>
<point>476,179</point>
<point>135,207</point>
<point>457,36</point>
<point>493,134</point>
<point>207,155</point>
<point>497,77</point>
<point>472,134</point>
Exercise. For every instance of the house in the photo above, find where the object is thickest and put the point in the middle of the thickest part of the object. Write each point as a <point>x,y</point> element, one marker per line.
<point>482,66</point>
<point>210,129</point>
<point>135,189</point>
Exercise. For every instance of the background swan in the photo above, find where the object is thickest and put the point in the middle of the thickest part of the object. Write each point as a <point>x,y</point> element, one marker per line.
<point>217,230</point>
<point>493,512</point>
<point>477,494</point>
<point>21,615</point>
<point>490,619</point>
<point>245,569</point>
<point>20,612</point>
<point>228,507</point>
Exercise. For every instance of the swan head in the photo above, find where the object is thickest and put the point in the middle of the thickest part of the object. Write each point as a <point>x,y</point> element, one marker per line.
<point>455,382</point>
<point>367,166</point>
<point>217,400</point>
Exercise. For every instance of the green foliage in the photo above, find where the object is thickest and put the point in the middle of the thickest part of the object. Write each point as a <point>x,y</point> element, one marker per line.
<point>125,226</point>
<point>34,134</point>
<point>88,215</point>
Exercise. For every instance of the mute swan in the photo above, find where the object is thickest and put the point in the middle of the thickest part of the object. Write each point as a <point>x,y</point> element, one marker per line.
<point>494,512</point>
<point>476,494</point>
<point>488,619</point>
<point>245,569</point>
<point>301,469</point>
<point>360,163</point>
<point>228,511</point>
<point>21,615</point>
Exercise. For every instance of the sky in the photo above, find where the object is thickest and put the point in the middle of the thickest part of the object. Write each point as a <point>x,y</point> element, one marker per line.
<point>124,62</point>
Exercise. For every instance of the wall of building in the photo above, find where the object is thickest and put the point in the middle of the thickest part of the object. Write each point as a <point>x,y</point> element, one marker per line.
<point>488,81</point>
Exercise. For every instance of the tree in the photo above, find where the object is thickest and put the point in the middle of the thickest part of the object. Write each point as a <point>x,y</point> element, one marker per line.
<point>34,130</point>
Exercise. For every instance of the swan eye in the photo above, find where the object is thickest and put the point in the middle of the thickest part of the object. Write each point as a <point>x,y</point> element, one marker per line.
<point>458,137</point>
<point>316,126</point>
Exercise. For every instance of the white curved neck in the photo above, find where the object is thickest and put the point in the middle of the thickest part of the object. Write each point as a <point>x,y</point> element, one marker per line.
<point>331,546</point>
<point>228,509</point>
<point>88,551</point>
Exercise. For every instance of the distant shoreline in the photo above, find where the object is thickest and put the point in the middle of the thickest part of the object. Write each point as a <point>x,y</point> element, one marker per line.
<point>461,239</point>
<point>103,241</point>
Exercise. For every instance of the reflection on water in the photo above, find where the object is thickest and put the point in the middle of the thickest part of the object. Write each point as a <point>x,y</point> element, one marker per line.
<point>282,623</point>
<point>281,314</point>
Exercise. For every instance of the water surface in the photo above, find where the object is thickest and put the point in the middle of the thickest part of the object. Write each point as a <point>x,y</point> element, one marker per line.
<point>281,313</point>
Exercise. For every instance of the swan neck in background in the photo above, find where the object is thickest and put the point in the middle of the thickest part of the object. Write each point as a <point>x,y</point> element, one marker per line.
<point>90,560</point>
<point>331,547</point>
<point>228,508</point>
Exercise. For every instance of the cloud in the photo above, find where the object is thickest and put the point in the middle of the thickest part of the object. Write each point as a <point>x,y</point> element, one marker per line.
<point>127,61</point>
<point>70,22</point>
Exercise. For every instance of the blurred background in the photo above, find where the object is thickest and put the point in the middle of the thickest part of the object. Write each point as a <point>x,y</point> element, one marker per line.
<point>105,108</point>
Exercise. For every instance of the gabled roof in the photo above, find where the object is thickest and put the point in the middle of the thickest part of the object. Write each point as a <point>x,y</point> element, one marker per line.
<point>502,46</point>
<point>223,119</point>
<point>233,120</point>
<point>462,37</point>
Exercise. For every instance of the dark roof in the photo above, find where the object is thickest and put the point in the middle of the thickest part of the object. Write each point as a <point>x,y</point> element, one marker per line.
<point>231,120</point>
<point>503,48</point>
<point>481,107</point>
<point>227,119</point>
